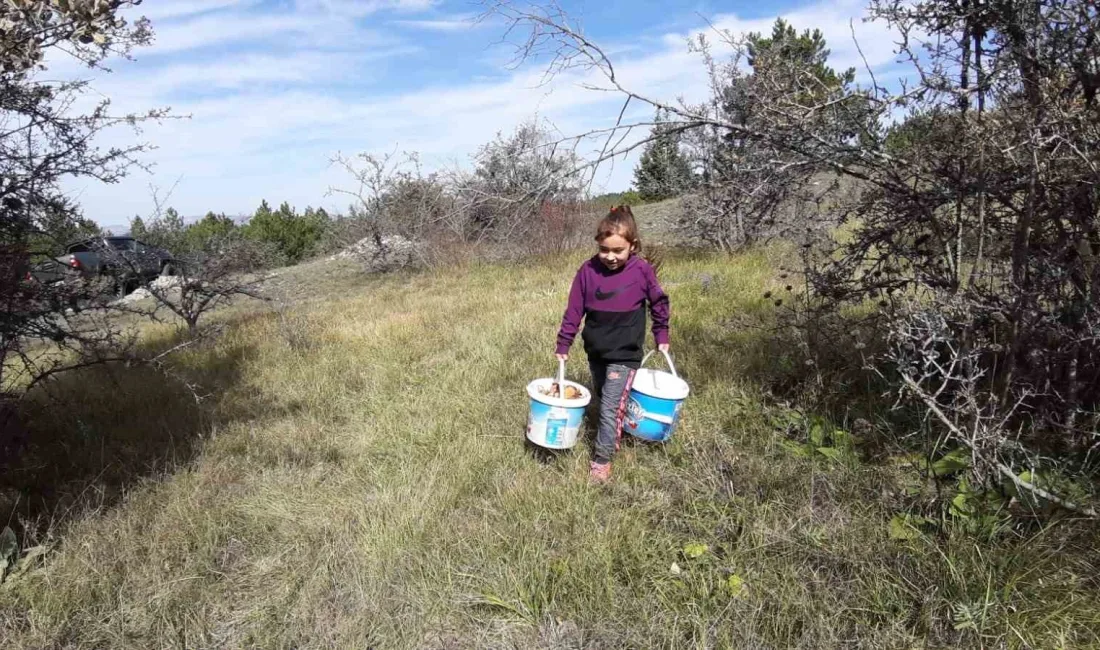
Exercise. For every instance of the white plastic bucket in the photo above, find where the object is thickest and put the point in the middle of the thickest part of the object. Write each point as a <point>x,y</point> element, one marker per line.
<point>655,401</point>
<point>555,423</point>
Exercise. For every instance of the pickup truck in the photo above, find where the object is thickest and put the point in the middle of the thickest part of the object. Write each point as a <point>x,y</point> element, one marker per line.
<point>126,261</point>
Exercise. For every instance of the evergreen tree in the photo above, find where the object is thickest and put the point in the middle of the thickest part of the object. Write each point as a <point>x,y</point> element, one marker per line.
<point>749,184</point>
<point>137,228</point>
<point>663,171</point>
<point>294,235</point>
<point>172,221</point>
<point>168,232</point>
<point>210,229</point>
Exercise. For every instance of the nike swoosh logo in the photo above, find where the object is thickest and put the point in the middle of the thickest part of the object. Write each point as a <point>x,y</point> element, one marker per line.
<point>608,295</point>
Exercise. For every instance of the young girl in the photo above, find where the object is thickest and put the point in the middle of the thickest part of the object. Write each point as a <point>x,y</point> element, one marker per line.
<point>610,292</point>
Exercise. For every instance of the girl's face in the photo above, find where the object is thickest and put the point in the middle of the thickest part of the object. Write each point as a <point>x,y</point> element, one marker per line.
<point>615,251</point>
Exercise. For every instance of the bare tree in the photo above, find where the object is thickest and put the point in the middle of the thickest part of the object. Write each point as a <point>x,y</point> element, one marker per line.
<point>753,189</point>
<point>224,270</point>
<point>514,177</point>
<point>522,194</point>
<point>211,274</point>
<point>394,205</point>
<point>44,139</point>
<point>988,216</point>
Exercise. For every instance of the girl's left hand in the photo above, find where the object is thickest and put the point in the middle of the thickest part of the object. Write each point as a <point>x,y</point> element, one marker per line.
<point>663,347</point>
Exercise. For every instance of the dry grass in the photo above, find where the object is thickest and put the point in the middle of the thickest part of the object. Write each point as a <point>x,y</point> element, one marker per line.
<point>362,481</point>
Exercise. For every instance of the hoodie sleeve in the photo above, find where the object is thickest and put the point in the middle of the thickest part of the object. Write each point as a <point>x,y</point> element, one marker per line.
<point>574,313</point>
<point>658,305</point>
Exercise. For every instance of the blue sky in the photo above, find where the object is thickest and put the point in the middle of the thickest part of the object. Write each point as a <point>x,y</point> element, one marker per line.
<point>275,88</point>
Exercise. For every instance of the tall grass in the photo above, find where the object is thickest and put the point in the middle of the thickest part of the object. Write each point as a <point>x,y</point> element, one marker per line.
<point>358,478</point>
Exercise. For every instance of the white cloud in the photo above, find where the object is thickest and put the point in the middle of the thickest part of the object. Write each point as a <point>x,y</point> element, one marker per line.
<point>455,23</point>
<point>361,8</point>
<point>183,8</point>
<point>266,122</point>
<point>211,30</point>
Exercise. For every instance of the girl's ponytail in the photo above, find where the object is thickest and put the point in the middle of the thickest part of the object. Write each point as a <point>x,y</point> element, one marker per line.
<point>620,221</point>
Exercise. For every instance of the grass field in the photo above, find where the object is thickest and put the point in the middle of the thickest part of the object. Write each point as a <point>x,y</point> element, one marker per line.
<point>357,478</point>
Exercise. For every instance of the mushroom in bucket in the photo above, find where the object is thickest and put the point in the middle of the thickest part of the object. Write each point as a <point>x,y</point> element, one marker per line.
<point>556,413</point>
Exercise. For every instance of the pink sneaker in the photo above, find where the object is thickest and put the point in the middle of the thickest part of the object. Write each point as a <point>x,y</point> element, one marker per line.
<point>599,472</point>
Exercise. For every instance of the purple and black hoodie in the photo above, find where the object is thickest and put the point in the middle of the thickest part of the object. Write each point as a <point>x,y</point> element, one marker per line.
<point>612,304</point>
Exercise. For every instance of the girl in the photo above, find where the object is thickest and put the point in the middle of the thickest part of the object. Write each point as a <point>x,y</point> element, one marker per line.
<point>610,292</point>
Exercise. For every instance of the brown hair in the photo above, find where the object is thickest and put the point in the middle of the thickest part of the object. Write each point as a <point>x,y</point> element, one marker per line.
<point>620,221</point>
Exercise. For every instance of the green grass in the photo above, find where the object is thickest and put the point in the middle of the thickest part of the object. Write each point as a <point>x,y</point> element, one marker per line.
<point>358,478</point>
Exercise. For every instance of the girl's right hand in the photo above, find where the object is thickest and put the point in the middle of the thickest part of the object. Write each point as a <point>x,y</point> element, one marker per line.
<point>562,357</point>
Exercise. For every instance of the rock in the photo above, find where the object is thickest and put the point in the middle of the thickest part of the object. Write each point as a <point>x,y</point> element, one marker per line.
<point>395,253</point>
<point>166,282</point>
<point>139,294</point>
<point>162,284</point>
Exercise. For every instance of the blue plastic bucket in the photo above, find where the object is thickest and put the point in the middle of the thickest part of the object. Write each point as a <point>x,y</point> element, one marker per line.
<point>654,404</point>
<point>553,422</point>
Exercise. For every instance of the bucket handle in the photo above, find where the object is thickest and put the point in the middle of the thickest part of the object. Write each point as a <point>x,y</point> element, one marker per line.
<point>667,359</point>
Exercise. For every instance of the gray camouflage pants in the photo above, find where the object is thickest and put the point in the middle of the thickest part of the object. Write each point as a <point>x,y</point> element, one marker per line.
<point>611,386</point>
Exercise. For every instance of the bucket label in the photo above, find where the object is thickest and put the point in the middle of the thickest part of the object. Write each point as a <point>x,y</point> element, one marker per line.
<point>554,431</point>
<point>651,418</point>
<point>555,427</point>
<point>636,413</point>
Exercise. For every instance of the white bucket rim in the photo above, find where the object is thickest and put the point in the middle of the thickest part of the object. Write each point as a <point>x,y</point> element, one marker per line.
<point>534,394</point>
<point>662,385</point>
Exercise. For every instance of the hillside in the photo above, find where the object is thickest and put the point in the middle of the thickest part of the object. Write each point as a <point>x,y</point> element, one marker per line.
<point>357,477</point>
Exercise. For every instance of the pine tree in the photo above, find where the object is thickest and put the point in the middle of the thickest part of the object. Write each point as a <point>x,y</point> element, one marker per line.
<point>748,184</point>
<point>172,221</point>
<point>137,228</point>
<point>209,231</point>
<point>293,234</point>
<point>663,171</point>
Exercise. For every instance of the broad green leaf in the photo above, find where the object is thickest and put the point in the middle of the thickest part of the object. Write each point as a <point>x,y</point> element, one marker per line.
<point>902,527</point>
<point>795,448</point>
<point>842,439</point>
<point>736,585</point>
<point>960,505</point>
<point>817,434</point>
<point>830,452</point>
<point>694,550</point>
<point>953,461</point>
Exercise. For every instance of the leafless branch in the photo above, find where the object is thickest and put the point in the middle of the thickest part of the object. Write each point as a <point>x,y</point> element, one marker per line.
<point>1003,469</point>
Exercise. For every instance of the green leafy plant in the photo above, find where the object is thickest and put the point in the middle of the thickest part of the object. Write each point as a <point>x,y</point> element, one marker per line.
<point>980,511</point>
<point>695,550</point>
<point>735,585</point>
<point>952,462</point>
<point>907,526</point>
<point>823,440</point>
